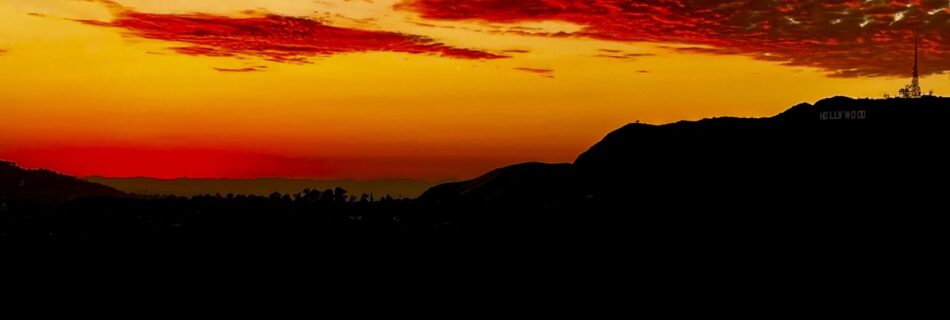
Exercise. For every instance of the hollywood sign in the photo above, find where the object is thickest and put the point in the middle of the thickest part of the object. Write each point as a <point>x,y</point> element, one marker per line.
<point>843,115</point>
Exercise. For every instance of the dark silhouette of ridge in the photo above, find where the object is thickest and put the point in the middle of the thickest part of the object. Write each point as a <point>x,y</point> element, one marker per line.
<point>838,153</point>
<point>44,186</point>
<point>533,182</point>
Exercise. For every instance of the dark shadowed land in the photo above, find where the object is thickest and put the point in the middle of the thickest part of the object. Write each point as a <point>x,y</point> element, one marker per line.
<point>397,188</point>
<point>46,187</point>
<point>828,175</point>
<point>839,153</point>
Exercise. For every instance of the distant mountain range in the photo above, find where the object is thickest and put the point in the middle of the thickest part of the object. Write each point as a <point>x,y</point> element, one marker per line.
<point>48,186</point>
<point>398,188</point>
<point>838,153</point>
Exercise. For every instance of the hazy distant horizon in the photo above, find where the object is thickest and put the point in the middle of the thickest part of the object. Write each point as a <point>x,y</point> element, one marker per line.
<point>395,187</point>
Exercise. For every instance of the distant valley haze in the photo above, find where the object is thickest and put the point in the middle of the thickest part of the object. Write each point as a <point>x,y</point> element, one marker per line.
<point>397,188</point>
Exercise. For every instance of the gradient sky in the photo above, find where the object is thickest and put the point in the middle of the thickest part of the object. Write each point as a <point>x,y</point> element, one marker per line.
<point>426,89</point>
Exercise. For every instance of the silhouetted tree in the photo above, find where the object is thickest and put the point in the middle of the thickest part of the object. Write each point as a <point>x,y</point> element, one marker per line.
<point>339,195</point>
<point>327,196</point>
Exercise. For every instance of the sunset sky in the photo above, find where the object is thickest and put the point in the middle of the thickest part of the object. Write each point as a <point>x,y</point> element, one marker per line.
<point>424,89</point>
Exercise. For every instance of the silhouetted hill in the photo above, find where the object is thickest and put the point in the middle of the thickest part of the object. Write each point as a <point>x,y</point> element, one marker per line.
<point>46,186</point>
<point>399,188</point>
<point>539,183</point>
<point>837,153</point>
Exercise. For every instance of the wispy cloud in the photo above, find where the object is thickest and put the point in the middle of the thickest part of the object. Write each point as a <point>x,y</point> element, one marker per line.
<point>547,73</point>
<point>270,36</point>
<point>620,54</point>
<point>848,38</point>
<point>246,69</point>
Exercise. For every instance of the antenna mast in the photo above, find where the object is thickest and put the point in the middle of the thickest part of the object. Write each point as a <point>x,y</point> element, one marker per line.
<point>913,89</point>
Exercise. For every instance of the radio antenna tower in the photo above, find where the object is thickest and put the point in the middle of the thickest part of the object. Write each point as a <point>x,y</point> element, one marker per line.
<point>913,89</point>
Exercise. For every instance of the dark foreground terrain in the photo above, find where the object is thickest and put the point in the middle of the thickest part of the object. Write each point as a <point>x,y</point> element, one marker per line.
<point>838,172</point>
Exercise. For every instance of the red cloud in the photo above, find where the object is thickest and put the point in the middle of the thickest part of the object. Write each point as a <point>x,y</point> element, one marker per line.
<point>847,38</point>
<point>272,37</point>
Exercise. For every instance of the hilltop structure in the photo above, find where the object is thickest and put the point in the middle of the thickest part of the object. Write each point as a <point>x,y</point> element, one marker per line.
<point>913,89</point>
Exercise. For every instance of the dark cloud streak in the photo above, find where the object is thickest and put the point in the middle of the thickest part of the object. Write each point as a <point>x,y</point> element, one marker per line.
<point>547,73</point>
<point>247,69</point>
<point>621,55</point>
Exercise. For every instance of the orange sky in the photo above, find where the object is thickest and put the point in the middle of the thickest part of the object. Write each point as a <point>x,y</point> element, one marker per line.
<point>372,89</point>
